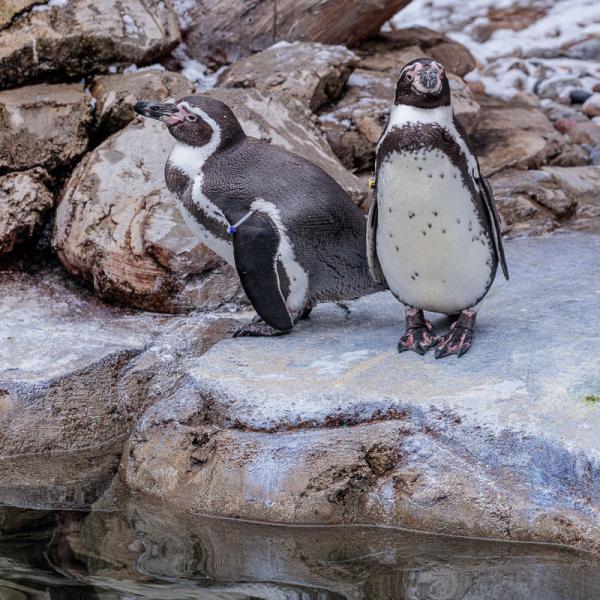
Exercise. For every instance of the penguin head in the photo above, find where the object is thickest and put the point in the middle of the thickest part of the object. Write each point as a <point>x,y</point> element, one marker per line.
<point>194,120</point>
<point>423,83</point>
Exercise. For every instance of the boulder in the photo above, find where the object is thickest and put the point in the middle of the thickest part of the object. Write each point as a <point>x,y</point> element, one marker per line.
<point>116,94</point>
<point>313,73</point>
<point>339,428</point>
<point>389,51</point>
<point>591,107</point>
<point>24,201</point>
<point>354,125</point>
<point>212,39</point>
<point>58,40</point>
<point>585,132</point>
<point>74,376</point>
<point>43,125</point>
<point>117,229</point>
<point>515,136</point>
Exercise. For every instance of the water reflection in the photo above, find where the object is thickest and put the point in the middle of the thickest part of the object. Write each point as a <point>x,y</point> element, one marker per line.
<point>141,553</point>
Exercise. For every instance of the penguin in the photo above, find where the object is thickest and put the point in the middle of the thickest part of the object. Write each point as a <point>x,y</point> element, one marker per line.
<point>433,231</point>
<point>290,231</point>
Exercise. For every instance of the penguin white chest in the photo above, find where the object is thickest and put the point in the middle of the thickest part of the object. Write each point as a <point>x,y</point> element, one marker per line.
<point>432,248</point>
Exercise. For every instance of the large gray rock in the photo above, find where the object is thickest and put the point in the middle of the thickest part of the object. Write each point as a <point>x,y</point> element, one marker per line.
<point>313,73</point>
<point>75,38</point>
<point>74,376</point>
<point>24,201</point>
<point>222,31</point>
<point>43,125</point>
<point>331,425</point>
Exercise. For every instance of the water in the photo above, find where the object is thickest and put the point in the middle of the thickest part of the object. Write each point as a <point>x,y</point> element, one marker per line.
<point>144,553</point>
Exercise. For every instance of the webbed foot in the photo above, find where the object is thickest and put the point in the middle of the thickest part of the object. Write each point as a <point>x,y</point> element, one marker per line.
<point>460,337</point>
<point>419,336</point>
<point>258,328</point>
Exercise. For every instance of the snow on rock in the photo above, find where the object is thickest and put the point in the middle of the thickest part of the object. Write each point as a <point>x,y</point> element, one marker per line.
<point>547,47</point>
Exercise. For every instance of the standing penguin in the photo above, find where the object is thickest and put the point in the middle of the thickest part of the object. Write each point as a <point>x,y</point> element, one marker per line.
<point>288,228</point>
<point>433,231</point>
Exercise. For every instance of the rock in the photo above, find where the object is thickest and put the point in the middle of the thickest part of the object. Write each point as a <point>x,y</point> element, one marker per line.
<point>116,94</point>
<point>585,133</point>
<point>515,137</point>
<point>117,229</point>
<point>74,375</point>
<point>556,111</point>
<point>354,125</point>
<point>43,125</point>
<point>72,39</point>
<point>563,125</point>
<point>24,200</point>
<point>313,73</point>
<point>570,156</point>
<point>579,96</point>
<point>285,122</point>
<point>212,39</point>
<point>595,155</point>
<point>591,107</point>
<point>497,444</point>
<point>582,184</point>
<point>389,51</point>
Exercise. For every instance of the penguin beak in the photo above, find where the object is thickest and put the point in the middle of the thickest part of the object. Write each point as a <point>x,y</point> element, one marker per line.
<point>167,112</point>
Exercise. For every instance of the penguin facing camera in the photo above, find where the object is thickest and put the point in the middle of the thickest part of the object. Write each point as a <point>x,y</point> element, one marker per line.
<point>290,231</point>
<point>433,233</point>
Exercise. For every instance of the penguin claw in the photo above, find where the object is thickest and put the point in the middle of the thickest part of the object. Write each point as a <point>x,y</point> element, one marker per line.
<point>417,339</point>
<point>258,329</point>
<point>460,337</point>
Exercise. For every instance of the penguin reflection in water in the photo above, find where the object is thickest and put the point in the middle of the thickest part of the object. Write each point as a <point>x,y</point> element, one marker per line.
<point>433,230</point>
<point>288,228</point>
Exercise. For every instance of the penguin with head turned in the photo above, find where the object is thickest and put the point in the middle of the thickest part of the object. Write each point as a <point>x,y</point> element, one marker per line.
<point>433,230</point>
<point>290,231</point>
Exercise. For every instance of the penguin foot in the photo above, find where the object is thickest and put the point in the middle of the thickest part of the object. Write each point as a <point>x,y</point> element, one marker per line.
<point>258,328</point>
<point>419,336</point>
<point>460,337</point>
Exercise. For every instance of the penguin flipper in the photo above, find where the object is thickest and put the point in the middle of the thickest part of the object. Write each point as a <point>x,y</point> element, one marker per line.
<point>375,269</point>
<point>255,249</point>
<point>488,199</point>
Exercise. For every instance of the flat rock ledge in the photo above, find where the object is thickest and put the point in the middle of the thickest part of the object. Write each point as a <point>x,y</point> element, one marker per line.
<point>332,425</point>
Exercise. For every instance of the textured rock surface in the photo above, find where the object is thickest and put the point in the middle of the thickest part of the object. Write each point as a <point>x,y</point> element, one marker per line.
<point>211,38</point>
<point>43,125</point>
<point>313,73</point>
<point>116,94</point>
<point>516,136</point>
<point>74,375</point>
<point>24,199</point>
<point>330,424</point>
<point>77,38</point>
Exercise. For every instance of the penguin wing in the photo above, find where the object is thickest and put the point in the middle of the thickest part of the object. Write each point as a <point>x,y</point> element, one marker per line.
<point>375,269</point>
<point>490,205</point>
<point>255,249</point>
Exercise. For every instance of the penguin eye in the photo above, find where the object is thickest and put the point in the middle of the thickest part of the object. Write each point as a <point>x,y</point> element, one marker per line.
<point>409,77</point>
<point>191,118</point>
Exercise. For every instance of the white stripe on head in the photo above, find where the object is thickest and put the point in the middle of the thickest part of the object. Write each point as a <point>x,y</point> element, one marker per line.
<point>297,276</point>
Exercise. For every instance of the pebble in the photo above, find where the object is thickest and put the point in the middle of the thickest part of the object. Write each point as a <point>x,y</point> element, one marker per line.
<point>591,106</point>
<point>564,125</point>
<point>579,96</point>
<point>596,87</point>
<point>595,155</point>
<point>585,133</point>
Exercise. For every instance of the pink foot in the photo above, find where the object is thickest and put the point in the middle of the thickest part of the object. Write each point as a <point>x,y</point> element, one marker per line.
<point>419,336</point>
